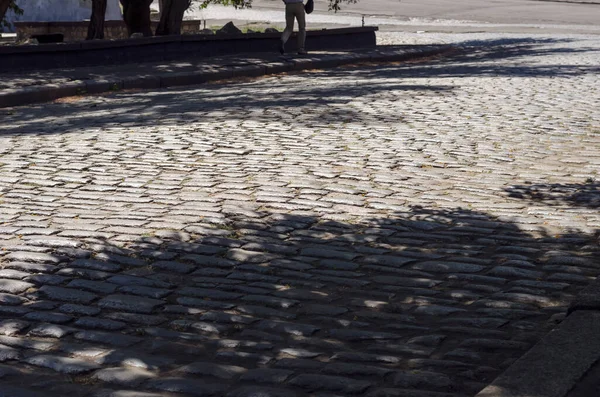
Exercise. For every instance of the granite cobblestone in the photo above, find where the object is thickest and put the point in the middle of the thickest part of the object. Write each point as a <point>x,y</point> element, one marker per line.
<point>383,230</point>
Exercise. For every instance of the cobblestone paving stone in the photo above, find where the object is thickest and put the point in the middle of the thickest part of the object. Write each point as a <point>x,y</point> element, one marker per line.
<point>389,230</point>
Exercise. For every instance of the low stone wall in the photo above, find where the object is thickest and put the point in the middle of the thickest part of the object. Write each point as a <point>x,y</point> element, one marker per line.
<point>77,31</point>
<point>168,48</point>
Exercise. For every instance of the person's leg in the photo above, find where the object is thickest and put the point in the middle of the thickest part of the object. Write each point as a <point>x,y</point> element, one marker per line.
<point>301,17</point>
<point>289,25</point>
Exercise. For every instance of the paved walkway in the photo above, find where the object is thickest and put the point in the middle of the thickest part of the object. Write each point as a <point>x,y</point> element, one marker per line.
<point>385,230</point>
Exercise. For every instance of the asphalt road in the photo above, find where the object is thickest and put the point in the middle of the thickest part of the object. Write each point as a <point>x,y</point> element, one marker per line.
<point>432,15</point>
<point>502,11</point>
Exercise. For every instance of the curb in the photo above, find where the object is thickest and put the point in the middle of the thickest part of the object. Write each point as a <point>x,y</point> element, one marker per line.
<point>557,363</point>
<point>50,92</point>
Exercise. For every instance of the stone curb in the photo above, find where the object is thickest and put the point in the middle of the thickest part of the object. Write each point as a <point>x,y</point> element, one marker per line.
<point>556,364</point>
<point>50,92</point>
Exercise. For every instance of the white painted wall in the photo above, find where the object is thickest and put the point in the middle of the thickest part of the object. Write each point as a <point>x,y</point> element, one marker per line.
<point>61,10</point>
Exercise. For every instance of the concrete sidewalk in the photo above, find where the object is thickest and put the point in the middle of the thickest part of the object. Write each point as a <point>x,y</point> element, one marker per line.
<point>42,86</point>
<point>565,363</point>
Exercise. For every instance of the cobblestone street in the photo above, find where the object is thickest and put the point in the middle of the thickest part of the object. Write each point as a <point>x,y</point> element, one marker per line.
<point>393,230</point>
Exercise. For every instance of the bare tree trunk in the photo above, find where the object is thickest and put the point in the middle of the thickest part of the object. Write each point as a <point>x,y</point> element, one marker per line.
<point>136,14</point>
<point>3,8</point>
<point>96,26</point>
<point>171,16</point>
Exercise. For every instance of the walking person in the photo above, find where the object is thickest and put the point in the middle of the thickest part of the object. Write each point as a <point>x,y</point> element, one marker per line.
<point>294,10</point>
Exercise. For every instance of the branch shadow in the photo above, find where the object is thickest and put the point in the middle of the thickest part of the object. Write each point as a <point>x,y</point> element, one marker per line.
<point>574,195</point>
<point>255,100</point>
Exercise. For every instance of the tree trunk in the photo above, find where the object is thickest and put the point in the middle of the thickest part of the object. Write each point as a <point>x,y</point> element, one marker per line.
<point>136,14</point>
<point>3,8</point>
<point>171,16</point>
<point>161,7</point>
<point>96,26</point>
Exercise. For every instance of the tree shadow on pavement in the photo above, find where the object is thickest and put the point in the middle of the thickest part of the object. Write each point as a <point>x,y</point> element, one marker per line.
<point>521,57</point>
<point>256,98</point>
<point>163,107</point>
<point>251,299</point>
